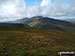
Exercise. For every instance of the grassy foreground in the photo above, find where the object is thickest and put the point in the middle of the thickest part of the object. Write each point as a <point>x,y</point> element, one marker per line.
<point>15,41</point>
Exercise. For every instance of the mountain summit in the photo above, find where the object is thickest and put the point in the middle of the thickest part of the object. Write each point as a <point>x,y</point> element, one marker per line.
<point>47,23</point>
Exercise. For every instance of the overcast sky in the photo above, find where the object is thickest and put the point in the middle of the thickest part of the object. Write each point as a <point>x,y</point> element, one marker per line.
<point>16,9</point>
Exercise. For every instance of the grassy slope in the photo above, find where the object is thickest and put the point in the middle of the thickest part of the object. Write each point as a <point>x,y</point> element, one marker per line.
<point>16,41</point>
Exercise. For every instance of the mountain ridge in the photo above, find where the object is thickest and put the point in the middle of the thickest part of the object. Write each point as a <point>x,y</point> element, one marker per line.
<point>47,23</point>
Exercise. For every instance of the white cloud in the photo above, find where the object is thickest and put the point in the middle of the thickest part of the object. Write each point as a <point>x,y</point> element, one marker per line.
<point>45,3</point>
<point>58,8</point>
<point>13,9</point>
<point>33,11</point>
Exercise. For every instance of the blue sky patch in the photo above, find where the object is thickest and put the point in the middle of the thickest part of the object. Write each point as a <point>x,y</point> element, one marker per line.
<point>31,2</point>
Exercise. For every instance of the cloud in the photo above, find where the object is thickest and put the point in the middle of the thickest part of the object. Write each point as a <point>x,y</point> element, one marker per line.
<point>34,10</point>
<point>14,9</point>
<point>57,8</point>
<point>45,3</point>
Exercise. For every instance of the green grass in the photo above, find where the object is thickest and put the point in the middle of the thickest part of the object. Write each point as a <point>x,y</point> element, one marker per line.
<point>15,41</point>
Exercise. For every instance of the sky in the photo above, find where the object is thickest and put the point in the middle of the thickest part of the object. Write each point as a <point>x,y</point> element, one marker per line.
<point>17,9</point>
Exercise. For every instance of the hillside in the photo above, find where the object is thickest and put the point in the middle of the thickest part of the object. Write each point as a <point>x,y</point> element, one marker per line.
<point>48,23</point>
<point>21,41</point>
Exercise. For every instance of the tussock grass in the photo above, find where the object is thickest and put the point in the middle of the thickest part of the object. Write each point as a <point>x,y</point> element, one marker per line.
<point>15,41</point>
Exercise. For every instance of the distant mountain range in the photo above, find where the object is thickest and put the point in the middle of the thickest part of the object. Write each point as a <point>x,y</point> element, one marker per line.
<point>70,20</point>
<point>12,24</point>
<point>46,23</point>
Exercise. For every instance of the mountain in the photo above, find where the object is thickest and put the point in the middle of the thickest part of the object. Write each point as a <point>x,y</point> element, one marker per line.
<point>32,41</point>
<point>48,23</point>
<point>70,20</point>
<point>12,24</point>
<point>20,21</point>
<point>43,23</point>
